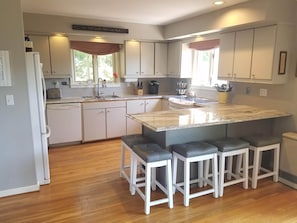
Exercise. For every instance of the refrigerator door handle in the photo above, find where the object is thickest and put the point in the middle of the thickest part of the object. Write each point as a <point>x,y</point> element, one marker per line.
<point>48,131</point>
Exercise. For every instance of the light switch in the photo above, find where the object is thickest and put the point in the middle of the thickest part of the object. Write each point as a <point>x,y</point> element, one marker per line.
<point>9,99</point>
<point>263,92</point>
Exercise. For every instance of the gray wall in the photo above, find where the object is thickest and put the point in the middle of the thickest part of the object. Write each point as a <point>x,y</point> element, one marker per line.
<point>17,167</point>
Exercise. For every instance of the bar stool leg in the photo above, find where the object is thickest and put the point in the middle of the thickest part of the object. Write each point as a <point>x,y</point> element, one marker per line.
<point>122,160</point>
<point>147,189</point>
<point>229,167</point>
<point>133,175</point>
<point>276,163</point>
<point>245,169</point>
<point>215,175</point>
<point>200,173</point>
<point>153,180</point>
<point>255,168</point>
<point>221,174</point>
<point>206,171</point>
<point>169,184</point>
<point>186,182</point>
<point>174,173</point>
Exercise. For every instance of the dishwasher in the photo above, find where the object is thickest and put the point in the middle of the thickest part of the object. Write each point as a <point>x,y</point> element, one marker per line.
<point>65,122</point>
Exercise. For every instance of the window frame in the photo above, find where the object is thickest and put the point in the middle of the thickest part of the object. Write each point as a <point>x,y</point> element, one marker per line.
<point>91,83</point>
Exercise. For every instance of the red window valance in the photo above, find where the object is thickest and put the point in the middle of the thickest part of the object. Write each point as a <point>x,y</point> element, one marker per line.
<point>95,48</point>
<point>205,45</point>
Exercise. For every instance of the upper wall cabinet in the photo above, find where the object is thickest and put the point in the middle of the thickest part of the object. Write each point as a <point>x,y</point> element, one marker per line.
<point>259,55</point>
<point>144,59</point>
<point>179,60</point>
<point>161,59</point>
<point>54,55</point>
<point>236,54</point>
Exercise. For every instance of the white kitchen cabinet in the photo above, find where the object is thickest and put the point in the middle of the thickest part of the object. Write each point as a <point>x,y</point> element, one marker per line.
<point>144,59</point>
<point>140,106</point>
<point>54,54</point>
<point>94,124</point>
<point>104,120</point>
<point>236,55</point>
<point>174,59</point>
<point>132,59</point>
<point>264,41</point>
<point>226,58</point>
<point>116,122</point>
<point>65,122</point>
<point>179,63</point>
<point>256,54</point>
<point>147,59</point>
<point>269,43</point>
<point>243,54</point>
<point>161,59</point>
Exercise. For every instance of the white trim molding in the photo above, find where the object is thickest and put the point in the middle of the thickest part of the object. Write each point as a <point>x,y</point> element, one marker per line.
<point>19,190</point>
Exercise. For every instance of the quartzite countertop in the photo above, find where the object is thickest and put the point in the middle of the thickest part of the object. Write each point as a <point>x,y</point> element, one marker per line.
<point>217,114</point>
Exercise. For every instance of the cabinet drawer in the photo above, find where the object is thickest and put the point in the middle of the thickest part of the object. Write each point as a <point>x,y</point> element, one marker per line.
<point>108,104</point>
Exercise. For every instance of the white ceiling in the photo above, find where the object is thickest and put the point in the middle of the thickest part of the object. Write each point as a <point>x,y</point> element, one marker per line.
<point>154,12</point>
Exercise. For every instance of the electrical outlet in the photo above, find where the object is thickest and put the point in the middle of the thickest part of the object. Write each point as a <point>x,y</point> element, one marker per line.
<point>9,99</point>
<point>263,92</point>
<point>247,90</point>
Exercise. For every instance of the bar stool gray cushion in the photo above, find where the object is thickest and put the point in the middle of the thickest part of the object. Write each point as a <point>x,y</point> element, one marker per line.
<point>132,140</point>
<point>151,152</point>
<point>229,144</point>
<point>193,149</point>
<point>259,140</point>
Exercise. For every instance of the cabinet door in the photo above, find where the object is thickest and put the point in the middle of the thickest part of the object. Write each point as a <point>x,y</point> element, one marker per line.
<point>134,107</point>
<point>186,62</point>
<point>243,53</point>
<point>94,124</point>
<point>116,122</point>
<point>152,105</point>
<point>226,55</point>
<point>60,56</point>
<point>132,58</point>
<point>160,59</point>
<point>264,43</point>
<point>147,59</point>
<point>41,45</point>
<point>174,59</point>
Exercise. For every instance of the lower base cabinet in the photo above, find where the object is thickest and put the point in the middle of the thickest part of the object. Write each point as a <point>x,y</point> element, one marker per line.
<point>140,106</point>
<point>103,120</point>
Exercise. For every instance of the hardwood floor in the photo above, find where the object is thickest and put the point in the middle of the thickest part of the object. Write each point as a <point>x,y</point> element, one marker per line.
<point>86,187</point>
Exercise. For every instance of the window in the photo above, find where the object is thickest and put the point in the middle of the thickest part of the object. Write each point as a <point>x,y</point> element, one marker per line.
<point>90,63</point>
<point>205,63</point>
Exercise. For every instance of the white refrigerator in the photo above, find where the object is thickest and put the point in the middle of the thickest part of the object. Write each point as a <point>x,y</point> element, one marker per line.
<point>40,131</point>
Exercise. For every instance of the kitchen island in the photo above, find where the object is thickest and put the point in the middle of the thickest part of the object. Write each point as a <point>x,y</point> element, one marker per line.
<point>207,122</point>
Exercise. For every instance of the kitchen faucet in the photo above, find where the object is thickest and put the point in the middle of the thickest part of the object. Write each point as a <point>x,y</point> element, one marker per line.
<point>98,87</point>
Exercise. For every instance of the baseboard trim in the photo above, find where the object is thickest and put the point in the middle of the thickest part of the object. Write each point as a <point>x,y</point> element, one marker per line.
<point>287,182</point>
<point>20,190</point>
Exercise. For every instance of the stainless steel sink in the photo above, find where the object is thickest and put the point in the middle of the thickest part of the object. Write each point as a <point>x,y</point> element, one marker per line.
<point>100,98</point>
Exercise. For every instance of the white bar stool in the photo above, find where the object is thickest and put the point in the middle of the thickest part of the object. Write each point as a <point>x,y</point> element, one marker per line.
<point>228,148</point>
<point>190,153</point>
<point>151,156</point>
<point>128,142</point>
<point>259,144</point>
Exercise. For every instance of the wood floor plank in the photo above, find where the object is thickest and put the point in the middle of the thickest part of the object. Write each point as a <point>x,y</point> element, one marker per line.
<point>86,187</point>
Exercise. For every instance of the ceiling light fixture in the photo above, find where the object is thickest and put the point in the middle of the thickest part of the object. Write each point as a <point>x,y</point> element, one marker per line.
<point>218,2</point>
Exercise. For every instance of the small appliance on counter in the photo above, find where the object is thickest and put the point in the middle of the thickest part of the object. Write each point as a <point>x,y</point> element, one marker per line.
<point>139,90</point>
<point>181,88</point>
<point>53,93</point>
<point>154,87</point>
